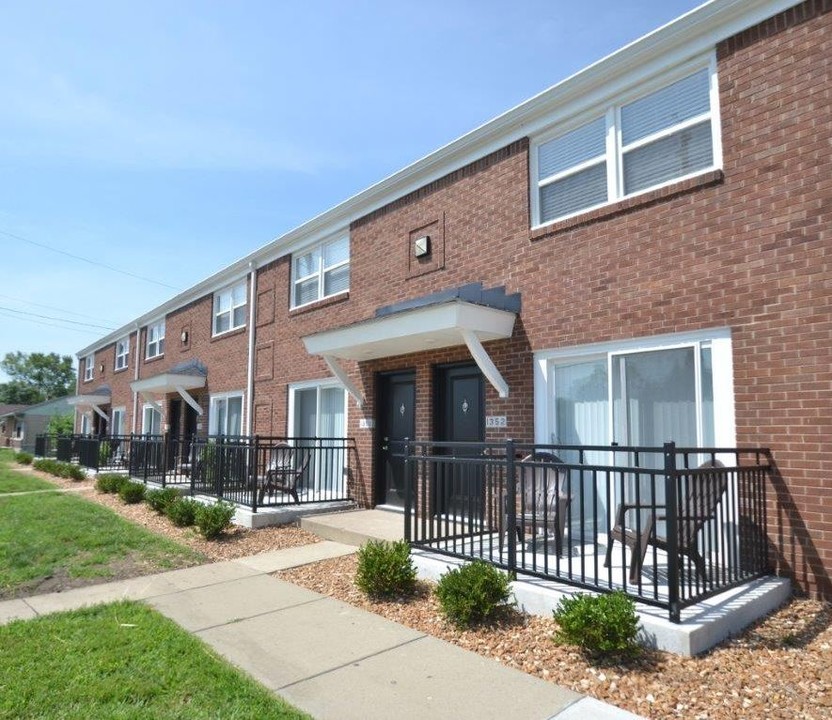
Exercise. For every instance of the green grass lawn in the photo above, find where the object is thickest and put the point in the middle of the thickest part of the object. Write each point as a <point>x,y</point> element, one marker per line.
<point>122,661</point>
<point>50,541</point>
<point>12,481</point>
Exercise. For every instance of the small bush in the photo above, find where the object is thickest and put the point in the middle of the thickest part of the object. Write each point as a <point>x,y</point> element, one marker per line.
<point>385,569</point>
<point>213,520</point>
<point>473,593</point>
<point>131,492</point>
<point>110,482</point>
<point>73,472</point>
<point>159,500</point>
<point>24,458</point>
<point>601,625</point>
<point>182,511</point>
<point>59,469</point>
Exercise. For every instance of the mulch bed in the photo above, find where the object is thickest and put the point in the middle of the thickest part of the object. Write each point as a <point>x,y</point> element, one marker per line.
<point>779,668</point>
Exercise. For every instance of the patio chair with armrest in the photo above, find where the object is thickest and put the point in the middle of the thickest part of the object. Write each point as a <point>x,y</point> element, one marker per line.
<point>284,471</point>
<point>704,490</point>
<point>545,505</point>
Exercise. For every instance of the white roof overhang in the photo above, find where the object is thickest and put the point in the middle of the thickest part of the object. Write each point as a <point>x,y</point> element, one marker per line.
<point>418,330</point>
<point>94,402</point>
<point>165,383</point>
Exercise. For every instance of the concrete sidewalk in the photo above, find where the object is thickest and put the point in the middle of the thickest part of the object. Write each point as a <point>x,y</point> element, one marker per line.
<point>324,656</point>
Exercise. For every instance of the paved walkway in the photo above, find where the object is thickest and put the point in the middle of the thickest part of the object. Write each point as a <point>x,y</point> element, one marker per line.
<point>324,656</point>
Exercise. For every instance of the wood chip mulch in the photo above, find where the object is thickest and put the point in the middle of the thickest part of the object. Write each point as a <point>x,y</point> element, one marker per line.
<point>779,668</point>
<point>236,543</point>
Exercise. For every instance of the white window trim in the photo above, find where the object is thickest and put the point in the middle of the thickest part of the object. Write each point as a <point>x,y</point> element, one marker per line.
<point>225,396</point>
<point>611,109</point>
<point>156,342</point>
<point>125,356</point>
<point>321,271</point>
<point>725,431</point>
<point>323,383</point>
<point>123,410</point>
<point>230,312</point>
<point>145,408</point>
<point>89,367</point>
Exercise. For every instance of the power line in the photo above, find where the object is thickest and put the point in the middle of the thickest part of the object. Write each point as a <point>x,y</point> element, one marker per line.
<point>48,307</point>
<point>50,317</point>
<point>48,324</point>
<point>87,260</point>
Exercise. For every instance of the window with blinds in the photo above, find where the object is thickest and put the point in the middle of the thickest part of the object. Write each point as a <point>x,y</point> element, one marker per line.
<point>628,148</point>
<point>321,271</point>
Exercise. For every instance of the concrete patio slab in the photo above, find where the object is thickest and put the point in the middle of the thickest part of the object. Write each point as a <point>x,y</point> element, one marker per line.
<point>269,562</point>
<point>286,646</point>
<point>427,678</point>
<point>206,607</point>
<point>588,707</point>
<point>15,610</point>
<point>357,526</point>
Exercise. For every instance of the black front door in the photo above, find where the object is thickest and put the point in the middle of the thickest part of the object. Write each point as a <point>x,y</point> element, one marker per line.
<point>460,418</point>
<point>396,421</point>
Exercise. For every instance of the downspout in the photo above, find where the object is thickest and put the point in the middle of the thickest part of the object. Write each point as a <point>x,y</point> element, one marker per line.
<point>252,316</point>
<point>136,377</point>
<point>77,392</point>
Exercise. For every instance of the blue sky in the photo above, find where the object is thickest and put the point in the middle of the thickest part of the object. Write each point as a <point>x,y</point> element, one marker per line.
<point>168,139</point>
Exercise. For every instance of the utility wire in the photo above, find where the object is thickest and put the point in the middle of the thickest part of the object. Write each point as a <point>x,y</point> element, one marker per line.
<point>49,324</point>
<point>87,260</point>
<point>50,317</point>
<point>49,307</point>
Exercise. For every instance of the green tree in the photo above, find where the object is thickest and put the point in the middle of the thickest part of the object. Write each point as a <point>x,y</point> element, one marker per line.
<point>36,377</point>
<point>61,425</point>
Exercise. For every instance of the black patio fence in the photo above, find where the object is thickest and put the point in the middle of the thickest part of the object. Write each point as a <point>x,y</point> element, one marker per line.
<point>249,470</point>
<point>668,526</point>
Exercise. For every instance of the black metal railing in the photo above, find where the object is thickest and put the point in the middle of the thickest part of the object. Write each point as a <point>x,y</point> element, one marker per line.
<point>254,471</point>
<point>668,526</point>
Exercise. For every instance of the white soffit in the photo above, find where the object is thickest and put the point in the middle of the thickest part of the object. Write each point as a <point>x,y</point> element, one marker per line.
<point>418,330</point>
<point>168,383</point>
<point>88,400</point>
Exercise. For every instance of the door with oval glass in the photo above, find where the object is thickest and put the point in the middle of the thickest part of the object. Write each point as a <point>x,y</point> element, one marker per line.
<point>396,421</point>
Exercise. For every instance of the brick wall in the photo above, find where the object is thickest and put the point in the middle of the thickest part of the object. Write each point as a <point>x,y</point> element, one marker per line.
<point>745,248</point>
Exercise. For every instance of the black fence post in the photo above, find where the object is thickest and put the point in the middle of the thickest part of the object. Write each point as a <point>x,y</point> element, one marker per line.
<point>254,473</point>
<point>408,490</point>
<point>673,560</point>
<point>511,505</point>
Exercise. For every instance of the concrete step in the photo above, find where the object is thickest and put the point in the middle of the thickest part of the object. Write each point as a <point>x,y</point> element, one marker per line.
<point>356,527</point>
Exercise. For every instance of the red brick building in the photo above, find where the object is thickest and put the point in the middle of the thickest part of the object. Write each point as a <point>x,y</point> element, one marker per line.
<point>640,253</point>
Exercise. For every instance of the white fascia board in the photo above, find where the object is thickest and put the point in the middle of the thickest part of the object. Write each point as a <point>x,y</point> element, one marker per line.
<point>167,382</point>
<point>694,33</point>
<point>426,328</point>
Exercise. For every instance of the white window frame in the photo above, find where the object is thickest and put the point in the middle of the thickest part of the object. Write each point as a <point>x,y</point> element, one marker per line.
<point>321,384</point>
<point>212,412</point>
<point>719,341</point>
<point>122,358</point>
<point>229,292</point>
<point>89,367</point>
<point>158,343</point>
<point>611,110</point>
<point>122,412</point>
<point>85,425</point>
<point>321,271</point>
<point>145,430</point>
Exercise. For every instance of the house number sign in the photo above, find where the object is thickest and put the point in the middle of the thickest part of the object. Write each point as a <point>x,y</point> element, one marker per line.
<point>495,421</point>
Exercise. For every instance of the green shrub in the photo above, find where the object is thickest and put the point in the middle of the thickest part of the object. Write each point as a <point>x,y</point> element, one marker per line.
<point>213,520</point>
<point>473,593</point>
<point>601,625</point>
<point>73,472</point>
<point>47,465</point>
<point>182,511</point>
<point>110,482</point>
<point>105,452</point>
<point>385,569</point>
<point>24,458</point>
<point>131,492</point>
<point>159,500</point>
<point>59,469</point>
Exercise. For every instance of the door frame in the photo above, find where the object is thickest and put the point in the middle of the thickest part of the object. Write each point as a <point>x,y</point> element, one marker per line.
<point>382,380</point>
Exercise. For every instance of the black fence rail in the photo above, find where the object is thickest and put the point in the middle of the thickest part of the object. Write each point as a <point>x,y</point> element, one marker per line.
<point>668,526</point>
<point>253,471</point>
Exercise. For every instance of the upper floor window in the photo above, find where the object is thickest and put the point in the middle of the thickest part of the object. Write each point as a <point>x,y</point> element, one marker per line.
<point>230,308</point>
<point>321,271</point>
<point>156,339</point>
<point>89,365</point>
<point>122,353</point>
<point>627,148</point>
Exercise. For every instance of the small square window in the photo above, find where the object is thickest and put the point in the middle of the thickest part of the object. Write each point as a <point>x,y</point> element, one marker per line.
<point>230,308</point>
<point>321,272</point>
